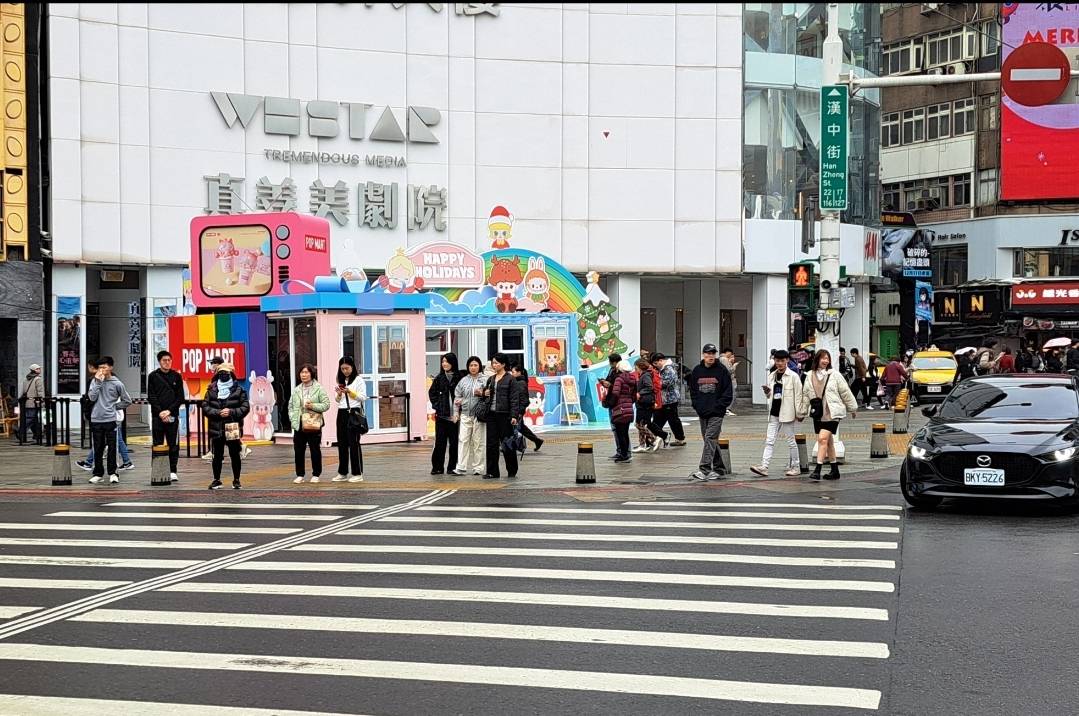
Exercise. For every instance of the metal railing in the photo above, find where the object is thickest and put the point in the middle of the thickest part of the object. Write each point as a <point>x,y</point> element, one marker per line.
<point>47,420</point>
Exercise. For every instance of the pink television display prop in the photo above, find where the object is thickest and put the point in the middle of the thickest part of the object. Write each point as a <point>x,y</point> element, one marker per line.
<point>238,259</point>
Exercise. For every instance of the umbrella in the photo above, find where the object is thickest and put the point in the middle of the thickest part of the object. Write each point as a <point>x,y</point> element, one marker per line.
<point>964,351</point>
<point>1058,342</point>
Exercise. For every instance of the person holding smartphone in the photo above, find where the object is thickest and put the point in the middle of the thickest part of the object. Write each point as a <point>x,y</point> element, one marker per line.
<point>348,395</point>
<point>784,392</point>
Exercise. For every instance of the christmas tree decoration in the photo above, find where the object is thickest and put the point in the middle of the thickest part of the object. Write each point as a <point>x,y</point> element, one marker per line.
<point>597,324</point>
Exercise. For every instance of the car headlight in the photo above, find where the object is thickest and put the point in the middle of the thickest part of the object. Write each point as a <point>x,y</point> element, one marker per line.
<point>1065,454</point>
<point>918,453</point>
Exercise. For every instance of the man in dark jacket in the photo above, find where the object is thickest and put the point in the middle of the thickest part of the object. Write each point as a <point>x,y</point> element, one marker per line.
<point>711,392</point>
<point>165,389</point>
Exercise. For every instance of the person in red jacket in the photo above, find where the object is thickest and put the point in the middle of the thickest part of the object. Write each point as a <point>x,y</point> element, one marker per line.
<point>624,391</point>
<point>895,375</point>
<point>1005,361</point>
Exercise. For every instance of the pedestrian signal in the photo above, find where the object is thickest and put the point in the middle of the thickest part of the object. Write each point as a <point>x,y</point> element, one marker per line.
<point>800,276</point>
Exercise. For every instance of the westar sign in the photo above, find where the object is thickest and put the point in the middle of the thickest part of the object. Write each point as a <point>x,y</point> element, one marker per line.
<point>281,115</point>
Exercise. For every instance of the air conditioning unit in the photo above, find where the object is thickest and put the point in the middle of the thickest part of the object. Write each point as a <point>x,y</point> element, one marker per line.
<point>935,71</point>
<point>929,8</point>
<point>958,68</point>
<point>931,193</point>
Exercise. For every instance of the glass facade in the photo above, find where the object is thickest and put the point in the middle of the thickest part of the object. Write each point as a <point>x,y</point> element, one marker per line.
<point>783,45</point>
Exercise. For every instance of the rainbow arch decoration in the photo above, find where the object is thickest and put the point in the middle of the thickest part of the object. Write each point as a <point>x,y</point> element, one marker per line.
<point>564,293</point>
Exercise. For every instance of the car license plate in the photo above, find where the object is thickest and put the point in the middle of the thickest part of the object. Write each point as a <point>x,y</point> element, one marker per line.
<point>983,476</point>
<point>933,389</point>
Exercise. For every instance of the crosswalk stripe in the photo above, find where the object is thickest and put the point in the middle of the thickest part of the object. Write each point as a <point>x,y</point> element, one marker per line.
<point>215,529</point>
<point>52,705</point>
<point>643,684</point>
<point>241,505</point>
<point>811,611</point>
<point>8,612</point>
<point>600,554</point>
<point>201,516</point>
<point>483,630</point>
<point>658,539</point>
<point>120,543</point>
<point>676,513</point>
<point>466,570</point>
<point>753,526</point>
<point>36,583</point>
<point>853,508</point>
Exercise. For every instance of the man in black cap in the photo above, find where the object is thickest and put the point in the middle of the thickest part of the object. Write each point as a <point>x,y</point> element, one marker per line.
<point>711,392</point>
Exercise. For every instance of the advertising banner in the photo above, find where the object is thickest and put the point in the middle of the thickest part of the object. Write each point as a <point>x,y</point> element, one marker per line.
<point>1038,143</point>
<point>904,248</point>
<point>923,304</point>
<point>68,357</point>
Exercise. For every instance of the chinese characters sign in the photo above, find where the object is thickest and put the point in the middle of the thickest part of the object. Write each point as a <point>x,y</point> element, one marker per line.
<point>834,130</point>
<point>378,206</point>
<point>1061,293</point>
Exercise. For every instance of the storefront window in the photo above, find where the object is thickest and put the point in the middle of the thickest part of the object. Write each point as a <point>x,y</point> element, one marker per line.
<point>277,335</point>
<point>305,342</point>
<point>391,349</point>
<point>445,340</point>
<point>1046,263</point>
<point>949,265</point>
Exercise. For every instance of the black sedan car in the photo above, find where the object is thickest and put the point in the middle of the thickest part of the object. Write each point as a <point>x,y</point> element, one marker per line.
<point>1006,436</point>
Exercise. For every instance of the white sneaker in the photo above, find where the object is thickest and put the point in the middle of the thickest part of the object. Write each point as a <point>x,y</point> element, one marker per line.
<point>173,477</point>
<point>732,413</point>
<point>298,480</point>
<point>678,443</point>
<point>113,479</point>
<point>640,448</point>
<point>759,470</point>
<point>699,475</point>
<point>208,456</point>
<point>339,478</point>
<point>714,475</point>
<point>314,479</point>
<point>459,471</point>
<point>356,478</point>
<point>245,452</point>
<point>793,472</point>
<point>478,472</point>
<point>96,479</point>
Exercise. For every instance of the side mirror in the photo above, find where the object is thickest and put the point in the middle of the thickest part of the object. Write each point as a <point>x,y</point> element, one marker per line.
<point>929,411</point>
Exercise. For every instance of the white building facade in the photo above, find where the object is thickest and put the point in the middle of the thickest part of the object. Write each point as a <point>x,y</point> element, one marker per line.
<point>612,133</point>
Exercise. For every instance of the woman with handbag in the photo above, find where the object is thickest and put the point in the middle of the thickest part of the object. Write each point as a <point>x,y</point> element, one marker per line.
<point>305,412</point>
<point>441,395</point>
<point>505,406</point>
<point>471,450</point>
<point>351,420</point>
<point>225,406</point>
<point>827,399</point>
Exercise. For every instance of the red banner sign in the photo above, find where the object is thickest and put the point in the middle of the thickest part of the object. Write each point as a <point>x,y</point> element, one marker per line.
<point>195,359</point>
<point>1058,293</point>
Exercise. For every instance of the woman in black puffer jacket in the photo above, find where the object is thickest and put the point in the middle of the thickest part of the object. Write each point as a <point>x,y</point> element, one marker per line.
<point>225,403</point>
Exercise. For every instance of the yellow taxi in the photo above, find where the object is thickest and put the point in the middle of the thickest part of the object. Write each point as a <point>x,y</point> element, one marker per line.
<point>932,374</point>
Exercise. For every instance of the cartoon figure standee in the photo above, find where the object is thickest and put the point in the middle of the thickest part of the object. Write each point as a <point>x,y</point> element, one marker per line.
<point>505,278</point>
<point>400,276</point>
<point>259,423</point>
<point>499,227</point>
<point>226,253</point>
<point>534,411</point>
<point>554,363</point>
<point>537,285</point>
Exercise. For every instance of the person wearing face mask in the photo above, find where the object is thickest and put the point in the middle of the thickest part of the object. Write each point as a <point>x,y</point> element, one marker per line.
<point>215,364</point>
<point>225,406</point>
<point>784,391</point>
<point>441,395</point>
<point>306,407</point>
<point>471,451</point>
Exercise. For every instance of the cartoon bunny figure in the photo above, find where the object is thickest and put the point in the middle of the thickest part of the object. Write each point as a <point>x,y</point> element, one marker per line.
<point>537,285</point>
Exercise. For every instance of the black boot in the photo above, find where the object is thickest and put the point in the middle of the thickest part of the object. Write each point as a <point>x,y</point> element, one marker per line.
<point>834,473</point>
<point>815,475</point>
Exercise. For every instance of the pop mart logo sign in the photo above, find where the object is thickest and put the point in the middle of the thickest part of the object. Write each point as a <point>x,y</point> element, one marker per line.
<point>282,116</point>
<point>834,134</point>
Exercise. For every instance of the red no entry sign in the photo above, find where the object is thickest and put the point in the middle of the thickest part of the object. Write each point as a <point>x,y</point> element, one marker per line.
<point>1035,74</point>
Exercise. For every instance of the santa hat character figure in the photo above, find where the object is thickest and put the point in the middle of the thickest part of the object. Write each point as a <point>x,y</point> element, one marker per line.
<point>499,226</point>
<point>552,363</point>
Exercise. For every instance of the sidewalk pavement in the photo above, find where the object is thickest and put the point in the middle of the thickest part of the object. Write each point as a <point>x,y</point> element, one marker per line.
<point>407,466</point>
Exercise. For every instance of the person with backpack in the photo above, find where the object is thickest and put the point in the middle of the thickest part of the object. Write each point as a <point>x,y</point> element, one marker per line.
<point>983,360</point>
<point>649,398</point>
<point>33,390</point>
<point>671,382</point>
<point>895,376</point>
<point>624,397</point>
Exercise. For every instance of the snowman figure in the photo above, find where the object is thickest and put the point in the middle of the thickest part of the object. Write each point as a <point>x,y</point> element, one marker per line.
<point>590,341</point>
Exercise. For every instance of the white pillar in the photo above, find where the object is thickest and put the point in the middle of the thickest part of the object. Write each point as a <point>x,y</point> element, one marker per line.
<point>710,304</point>
<point>625,294</point>
<point>768,326</point>
<point>691,322</point>
<point>854,327</point>
<point>67,280</point>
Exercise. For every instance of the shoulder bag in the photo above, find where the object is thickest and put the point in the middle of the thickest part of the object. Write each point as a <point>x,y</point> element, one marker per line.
<point>357,419</point>
<point>310,421</point>
<point>816,405</point>
<point>482,411</point>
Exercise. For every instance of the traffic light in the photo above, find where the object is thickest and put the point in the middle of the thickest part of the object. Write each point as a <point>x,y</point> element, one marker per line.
<point>801,288</point>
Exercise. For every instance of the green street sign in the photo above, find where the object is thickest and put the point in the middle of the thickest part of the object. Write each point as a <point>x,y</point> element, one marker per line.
<point>834,133</point>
